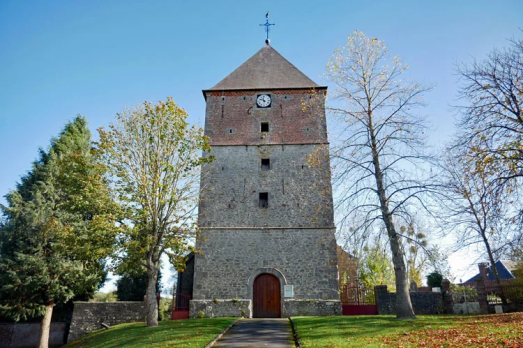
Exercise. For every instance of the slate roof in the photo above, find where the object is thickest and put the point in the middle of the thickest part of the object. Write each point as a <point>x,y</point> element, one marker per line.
<point>504,269</point>
<point>266,69</point>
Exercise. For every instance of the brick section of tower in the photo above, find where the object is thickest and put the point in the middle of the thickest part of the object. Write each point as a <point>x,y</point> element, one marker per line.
<point>295,117</point>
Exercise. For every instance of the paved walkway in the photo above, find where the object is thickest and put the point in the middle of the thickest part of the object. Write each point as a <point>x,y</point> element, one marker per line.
<point>274,333</point>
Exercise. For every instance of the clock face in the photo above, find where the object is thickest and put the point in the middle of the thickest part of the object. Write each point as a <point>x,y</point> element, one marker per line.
<point>263,101</point>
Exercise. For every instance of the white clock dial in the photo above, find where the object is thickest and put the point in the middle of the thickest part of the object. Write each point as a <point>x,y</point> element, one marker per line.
<point>263,100</point>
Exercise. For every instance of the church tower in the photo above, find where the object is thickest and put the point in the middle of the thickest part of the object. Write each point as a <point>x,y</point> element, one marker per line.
<point>267,245</point>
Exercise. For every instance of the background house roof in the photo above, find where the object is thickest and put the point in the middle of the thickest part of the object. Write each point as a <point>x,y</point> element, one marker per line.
<point>504,269</point>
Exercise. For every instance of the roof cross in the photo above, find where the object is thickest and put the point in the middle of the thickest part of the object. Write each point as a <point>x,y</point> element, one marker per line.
<point>267,25</point>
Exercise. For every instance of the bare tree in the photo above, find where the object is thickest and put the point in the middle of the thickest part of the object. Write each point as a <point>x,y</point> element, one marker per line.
<point>473,209</point>
<point>378,165</point>
<point>491,119</point>
<point>155,160</point>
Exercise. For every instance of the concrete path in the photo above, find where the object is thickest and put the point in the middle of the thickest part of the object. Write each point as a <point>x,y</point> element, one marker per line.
<point>274,333</point>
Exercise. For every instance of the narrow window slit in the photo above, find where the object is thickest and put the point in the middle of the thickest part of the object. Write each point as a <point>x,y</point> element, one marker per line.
<point>264,200</point>
<point>265,164</point>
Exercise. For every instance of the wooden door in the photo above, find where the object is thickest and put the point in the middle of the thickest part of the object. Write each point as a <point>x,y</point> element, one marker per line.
<point>266,297</point>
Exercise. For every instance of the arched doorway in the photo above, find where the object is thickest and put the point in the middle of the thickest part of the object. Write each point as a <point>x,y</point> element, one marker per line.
<point>266,296</point>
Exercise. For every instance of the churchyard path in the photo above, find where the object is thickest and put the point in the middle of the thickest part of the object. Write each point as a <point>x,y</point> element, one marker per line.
<point>274,333</point>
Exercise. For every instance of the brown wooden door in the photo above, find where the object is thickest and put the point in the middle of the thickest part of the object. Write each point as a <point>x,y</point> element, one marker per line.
<point>266,297</point>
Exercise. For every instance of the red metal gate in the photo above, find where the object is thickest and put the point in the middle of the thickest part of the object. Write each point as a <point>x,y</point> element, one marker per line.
<point>181,309</point>
<point>357,300</point>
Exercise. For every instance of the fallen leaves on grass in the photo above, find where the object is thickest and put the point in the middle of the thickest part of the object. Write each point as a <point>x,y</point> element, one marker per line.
<point>500,330</point>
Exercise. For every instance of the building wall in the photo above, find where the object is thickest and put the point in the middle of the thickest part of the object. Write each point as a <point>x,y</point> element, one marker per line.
<point>295,117</point>
<point>299,194</point>
<point>293,238</point>
<point>186,278</point>
<point>348,274</point>
<point>306,258</point>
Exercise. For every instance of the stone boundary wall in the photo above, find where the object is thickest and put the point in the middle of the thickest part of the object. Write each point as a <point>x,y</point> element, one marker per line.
<point>310,307</point>
<point>26,335</point>
<point>87,316</point>
<point>422,302</point>
<point>221,308</point>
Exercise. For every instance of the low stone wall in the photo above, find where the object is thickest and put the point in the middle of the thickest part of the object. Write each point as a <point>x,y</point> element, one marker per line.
<point>87,316</point>
<point>221,308</point>
<point>311,307</point>
<point>513,307</point>
<point>422,302</point>
<point>26,335</point>
<point>466,308</point>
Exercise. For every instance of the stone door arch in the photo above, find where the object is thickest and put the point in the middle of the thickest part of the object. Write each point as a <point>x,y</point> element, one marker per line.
<point>266,270</point>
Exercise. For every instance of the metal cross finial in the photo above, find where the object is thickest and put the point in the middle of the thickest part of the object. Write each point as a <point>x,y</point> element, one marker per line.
<point>267,25</point>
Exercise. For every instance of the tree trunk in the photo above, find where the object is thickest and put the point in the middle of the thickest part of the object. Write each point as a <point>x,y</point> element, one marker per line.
<point>403,305</point>
<point>494,269</point>
<point>45,327</point>
<point>152,305</point>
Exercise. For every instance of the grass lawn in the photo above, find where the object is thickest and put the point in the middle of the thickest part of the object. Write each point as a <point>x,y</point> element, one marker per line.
<point>500,330</point>
<point>175,333</point>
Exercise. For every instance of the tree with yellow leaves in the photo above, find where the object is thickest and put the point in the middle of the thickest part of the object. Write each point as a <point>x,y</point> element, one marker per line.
<point>154,158</point>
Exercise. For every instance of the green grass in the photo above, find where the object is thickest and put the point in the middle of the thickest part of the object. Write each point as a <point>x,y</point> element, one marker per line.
<point>426,331</point>
<point>175,333</point>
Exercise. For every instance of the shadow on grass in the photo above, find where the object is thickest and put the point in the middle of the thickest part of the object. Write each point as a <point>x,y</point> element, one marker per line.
<point>179,333</point>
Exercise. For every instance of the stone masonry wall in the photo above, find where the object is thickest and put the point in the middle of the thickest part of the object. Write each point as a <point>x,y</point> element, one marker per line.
<point>243,308</point>
<point>232,117</point>
<point>299,195</point>
<point>26,335</point>
<point>221,308</point>
<point>422,302</point>
<point>310,307</point>
<point>305,258</point>
<point>87,316</point>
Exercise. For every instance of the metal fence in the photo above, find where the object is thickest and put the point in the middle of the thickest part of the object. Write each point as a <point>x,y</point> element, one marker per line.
<point>354,294</point>
<point>508,292</point>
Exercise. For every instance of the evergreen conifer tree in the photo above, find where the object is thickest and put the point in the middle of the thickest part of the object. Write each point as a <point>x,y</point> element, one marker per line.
<point>58,226</point>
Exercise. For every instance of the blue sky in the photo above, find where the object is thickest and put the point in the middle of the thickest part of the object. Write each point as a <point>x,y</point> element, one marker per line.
<point>63,58</point>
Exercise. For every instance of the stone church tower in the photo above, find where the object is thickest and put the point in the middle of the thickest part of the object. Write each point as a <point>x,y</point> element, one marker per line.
<point>266,215</point>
